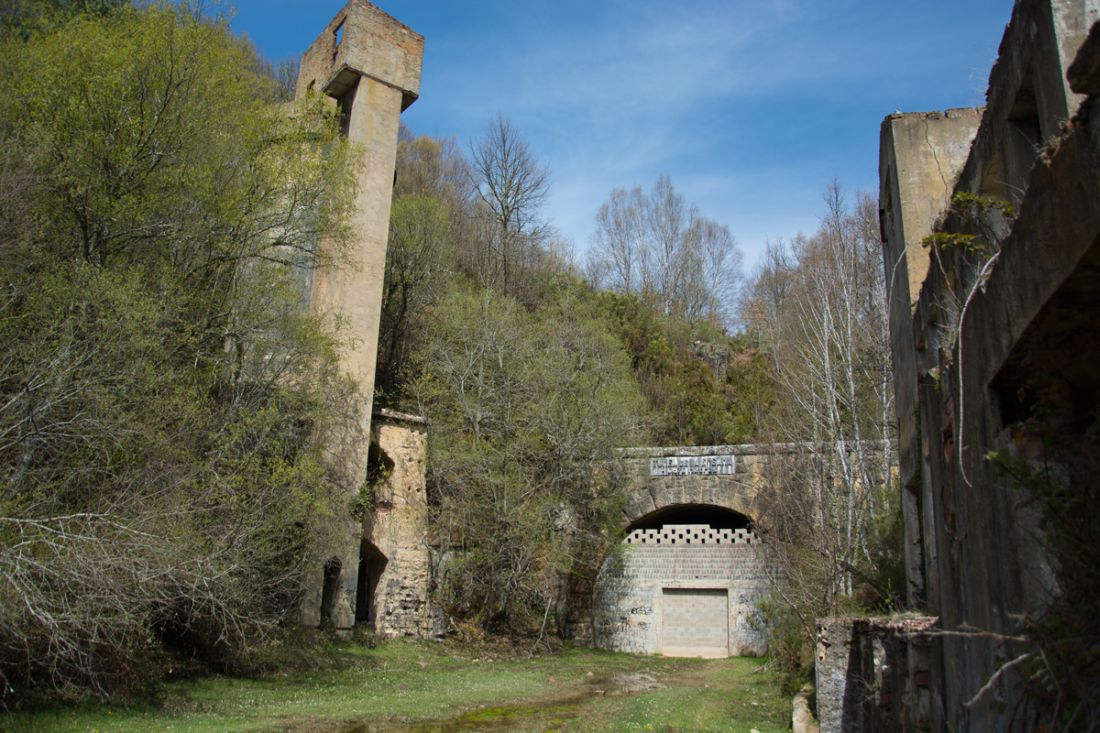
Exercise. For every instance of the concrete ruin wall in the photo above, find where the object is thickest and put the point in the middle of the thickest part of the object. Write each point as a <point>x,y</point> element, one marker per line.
<point>367,65</point>
<point>980,337</point>
<point>396,567</point>
<point>920,158</point>
<point>873,674</point>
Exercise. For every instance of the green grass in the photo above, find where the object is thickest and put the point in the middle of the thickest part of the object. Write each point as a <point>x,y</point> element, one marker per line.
<point>424,686</point>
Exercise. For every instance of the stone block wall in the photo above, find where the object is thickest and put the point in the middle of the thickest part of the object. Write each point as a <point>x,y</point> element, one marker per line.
<point>397,559</point>
<point>736,489</point>
<point>628,613</point>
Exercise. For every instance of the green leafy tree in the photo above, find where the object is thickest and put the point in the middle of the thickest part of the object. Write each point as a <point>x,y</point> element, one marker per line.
<point>524,405</point>
<point>160,379</point>
<point>428,221</point>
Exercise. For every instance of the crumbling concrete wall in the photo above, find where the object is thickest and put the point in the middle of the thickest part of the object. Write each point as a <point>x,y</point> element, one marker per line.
<point>920,158</point>
<point>395,571</point>
<point>1006,317</point>
<point>368,65</point>
<point>872,674</point>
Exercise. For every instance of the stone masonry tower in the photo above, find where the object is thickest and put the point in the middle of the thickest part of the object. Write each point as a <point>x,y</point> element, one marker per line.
<point>368,64</point>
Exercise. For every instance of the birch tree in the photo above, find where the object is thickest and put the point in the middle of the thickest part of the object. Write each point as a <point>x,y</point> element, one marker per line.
<point>820,310</point>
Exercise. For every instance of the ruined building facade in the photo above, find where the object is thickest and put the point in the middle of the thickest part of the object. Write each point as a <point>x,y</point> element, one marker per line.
<point>690,571</point>
<point>991,232</point>
<point>367,66</point>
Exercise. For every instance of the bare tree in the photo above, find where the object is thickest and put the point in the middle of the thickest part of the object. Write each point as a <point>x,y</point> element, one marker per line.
<point>511,186</point>
<point>658,246</point>
<point>618,239</point>
<point>820,311</point>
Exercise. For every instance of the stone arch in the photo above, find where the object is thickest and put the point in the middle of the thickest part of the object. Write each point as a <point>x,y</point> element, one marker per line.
<point>718,493</point>
<point>717,517</point>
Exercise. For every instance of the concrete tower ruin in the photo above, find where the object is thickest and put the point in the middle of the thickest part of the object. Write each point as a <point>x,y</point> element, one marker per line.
<point>368,66</point>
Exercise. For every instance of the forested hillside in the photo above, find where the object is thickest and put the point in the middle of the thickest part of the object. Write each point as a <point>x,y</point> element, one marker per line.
<point>162,382</point>
<point>534,368</point>
<point>159,379</point>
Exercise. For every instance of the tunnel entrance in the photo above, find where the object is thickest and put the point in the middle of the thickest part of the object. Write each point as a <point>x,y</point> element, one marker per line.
<point>685,583</point>
<point>714,516</point>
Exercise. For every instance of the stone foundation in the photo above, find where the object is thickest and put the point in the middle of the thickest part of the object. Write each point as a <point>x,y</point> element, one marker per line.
<point>395,569</point>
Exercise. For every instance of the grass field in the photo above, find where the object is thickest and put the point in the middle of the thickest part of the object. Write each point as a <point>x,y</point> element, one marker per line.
<point>431,686</point>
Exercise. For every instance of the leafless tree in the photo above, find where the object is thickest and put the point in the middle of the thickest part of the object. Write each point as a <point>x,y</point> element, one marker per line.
<point>820,311</point>
<point>659,247</point>
<point>510,186</point>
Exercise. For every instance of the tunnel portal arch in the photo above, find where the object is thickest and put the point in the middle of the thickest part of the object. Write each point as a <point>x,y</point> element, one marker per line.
<point>688,575</point>
<point>718,517</point>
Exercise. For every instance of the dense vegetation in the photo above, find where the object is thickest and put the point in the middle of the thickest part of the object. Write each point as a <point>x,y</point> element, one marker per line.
<point>163,385</point>
<point>533,371</point>
<point>159,381</point>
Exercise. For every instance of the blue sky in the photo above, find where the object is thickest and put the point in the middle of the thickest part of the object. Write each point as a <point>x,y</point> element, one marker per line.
<point>750,106</point>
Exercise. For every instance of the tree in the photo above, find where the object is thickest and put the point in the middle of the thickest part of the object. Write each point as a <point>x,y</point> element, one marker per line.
<point>658,247</point>
<point>510,186</point>
<point>160,380</point>
<point>819,309</point>
<point>523,405</point>
<point>429,227</point>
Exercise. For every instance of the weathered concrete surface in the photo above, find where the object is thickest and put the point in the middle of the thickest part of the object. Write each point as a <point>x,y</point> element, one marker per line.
<point>920,158</point>
<point>396,568</point>
<point>369,65</point>
<point>836,677</point>
<point>987,333</point>
<point>872,674</point>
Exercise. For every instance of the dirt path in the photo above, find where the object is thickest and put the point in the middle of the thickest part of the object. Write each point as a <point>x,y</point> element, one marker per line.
<point>598,703</point>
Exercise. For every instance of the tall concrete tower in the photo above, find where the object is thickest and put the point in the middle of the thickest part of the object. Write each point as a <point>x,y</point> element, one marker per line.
<point>368,64</point>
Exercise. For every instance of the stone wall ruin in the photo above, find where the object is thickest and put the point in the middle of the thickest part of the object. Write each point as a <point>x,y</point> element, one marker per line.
<point>395,564</point>
<point>995,337</point>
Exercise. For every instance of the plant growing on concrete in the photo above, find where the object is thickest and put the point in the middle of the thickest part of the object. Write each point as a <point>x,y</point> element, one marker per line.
<point>972,231</point>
